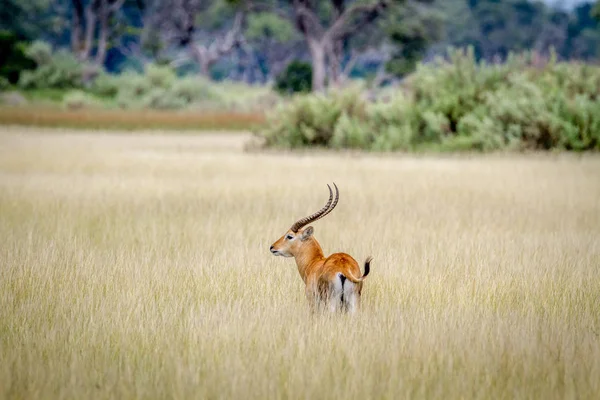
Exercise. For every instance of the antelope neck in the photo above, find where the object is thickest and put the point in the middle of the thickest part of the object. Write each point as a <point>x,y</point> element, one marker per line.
<point>309,254</point>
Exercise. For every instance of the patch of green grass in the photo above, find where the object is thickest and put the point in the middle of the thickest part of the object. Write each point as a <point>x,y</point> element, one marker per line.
<point>44,95</point>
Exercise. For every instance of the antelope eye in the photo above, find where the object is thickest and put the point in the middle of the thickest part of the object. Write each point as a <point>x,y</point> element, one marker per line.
<point>289,237</point>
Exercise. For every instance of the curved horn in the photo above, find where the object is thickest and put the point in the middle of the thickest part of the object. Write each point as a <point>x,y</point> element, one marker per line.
<point>335,201</point>
<point>319,214</point>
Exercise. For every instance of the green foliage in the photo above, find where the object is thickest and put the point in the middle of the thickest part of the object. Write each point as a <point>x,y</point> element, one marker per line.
<point>297,78</point>
<point>312,120</point>
<point>596,11</point>
<point>194,89</point>
<point>163,99</point>
<point>412,29</point>
<point>158,88</point>
<point>456,104</point>
<point>40,52</point>
<point>160,76</point>
<point>496,28</point>
<point>133,87</point>
<point>77,99</point>
<point>106,85</point>
<point>214,15</point>
<point>25,19</point>
<point>13,59</point>
<point>267,25</point>
<point>60,69</point>
<point>4,84</point>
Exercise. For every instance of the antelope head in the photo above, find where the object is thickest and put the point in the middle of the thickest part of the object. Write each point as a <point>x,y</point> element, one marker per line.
<point>299,236</point>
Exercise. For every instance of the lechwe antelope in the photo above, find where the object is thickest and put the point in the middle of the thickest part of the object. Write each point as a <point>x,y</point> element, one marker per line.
<point>333,282</point>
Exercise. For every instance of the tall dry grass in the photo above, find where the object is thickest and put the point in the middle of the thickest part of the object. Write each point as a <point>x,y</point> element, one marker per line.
<point>92,118</point>
<point>138,267</point>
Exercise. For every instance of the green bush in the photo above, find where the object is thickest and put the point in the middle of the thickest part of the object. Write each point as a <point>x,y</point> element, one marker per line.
<point>311,120</point>
<point>40,52</point>
<point>160,76</point>
<point>77,99</point>
<point>4,84</point>
<point>132,88</point>
<point>297,78</point>
<point>453,104</point>
<point>106,85</point>
<point>57,70</point>
<point>163,99</point>
<point>194,89</point>
<point>157,88</point>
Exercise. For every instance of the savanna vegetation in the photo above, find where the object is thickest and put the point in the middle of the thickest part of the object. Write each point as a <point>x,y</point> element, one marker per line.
<point>240,59</point>
<point>456,103</point>
<point>138,266</point>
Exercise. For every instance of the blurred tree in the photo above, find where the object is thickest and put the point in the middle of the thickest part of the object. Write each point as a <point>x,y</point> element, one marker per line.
<point>328,27</point>
<point>596,10</point>
<point>506,26</point>
<point>93,24</point>
<point>412,30</point>
<point>583,34</point>
<point>495,28</point>
<point>209,30</point>
<point>274,40</point>
<point>23,18</point>
<point>325,26</point>
<point>255,40</point>
<point>297,78</point>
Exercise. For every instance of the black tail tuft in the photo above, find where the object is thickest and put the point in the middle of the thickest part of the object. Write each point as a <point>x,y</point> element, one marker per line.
<point>367,266</point>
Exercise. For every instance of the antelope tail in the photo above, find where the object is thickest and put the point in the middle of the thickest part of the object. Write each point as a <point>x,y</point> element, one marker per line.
<point>354,279</point>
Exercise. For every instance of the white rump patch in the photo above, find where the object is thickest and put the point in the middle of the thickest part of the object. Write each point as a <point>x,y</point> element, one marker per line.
<point>350,296</point>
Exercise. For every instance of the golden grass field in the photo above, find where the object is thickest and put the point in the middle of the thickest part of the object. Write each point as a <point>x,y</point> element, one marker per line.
<point>138,266</point>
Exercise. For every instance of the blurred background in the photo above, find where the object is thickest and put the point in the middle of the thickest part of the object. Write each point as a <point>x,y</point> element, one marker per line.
<point>238,58</point>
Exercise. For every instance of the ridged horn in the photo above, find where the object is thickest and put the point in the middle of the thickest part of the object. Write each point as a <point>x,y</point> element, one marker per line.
<point>319,214</point>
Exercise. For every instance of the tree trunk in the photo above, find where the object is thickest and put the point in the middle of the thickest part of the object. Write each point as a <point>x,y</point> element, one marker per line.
<point>200,54</point>
<point>76,26</point>
<point>319,68</point>
<point>336,50</point>
<point>335,55</point>
<point>324,42</point>
<point>205,67</point>
<point>102,34</point>
<point>90,28</point>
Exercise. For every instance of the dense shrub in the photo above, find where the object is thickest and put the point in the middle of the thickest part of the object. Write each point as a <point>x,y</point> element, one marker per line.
<point>132,88</point>
<point>158,88</point>
<point>160,76</point>
<point>77,99</point>
<point>39,52</point>
<point>56,70</point>
<point>163,99</point>
<point>456,104</point>
<point>296,78</point>
<point>312,120</point>
<point>106,85</point>
<point>194,89</point>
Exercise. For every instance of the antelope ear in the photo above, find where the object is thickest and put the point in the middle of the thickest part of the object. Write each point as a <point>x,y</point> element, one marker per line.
<point>306,233</point>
